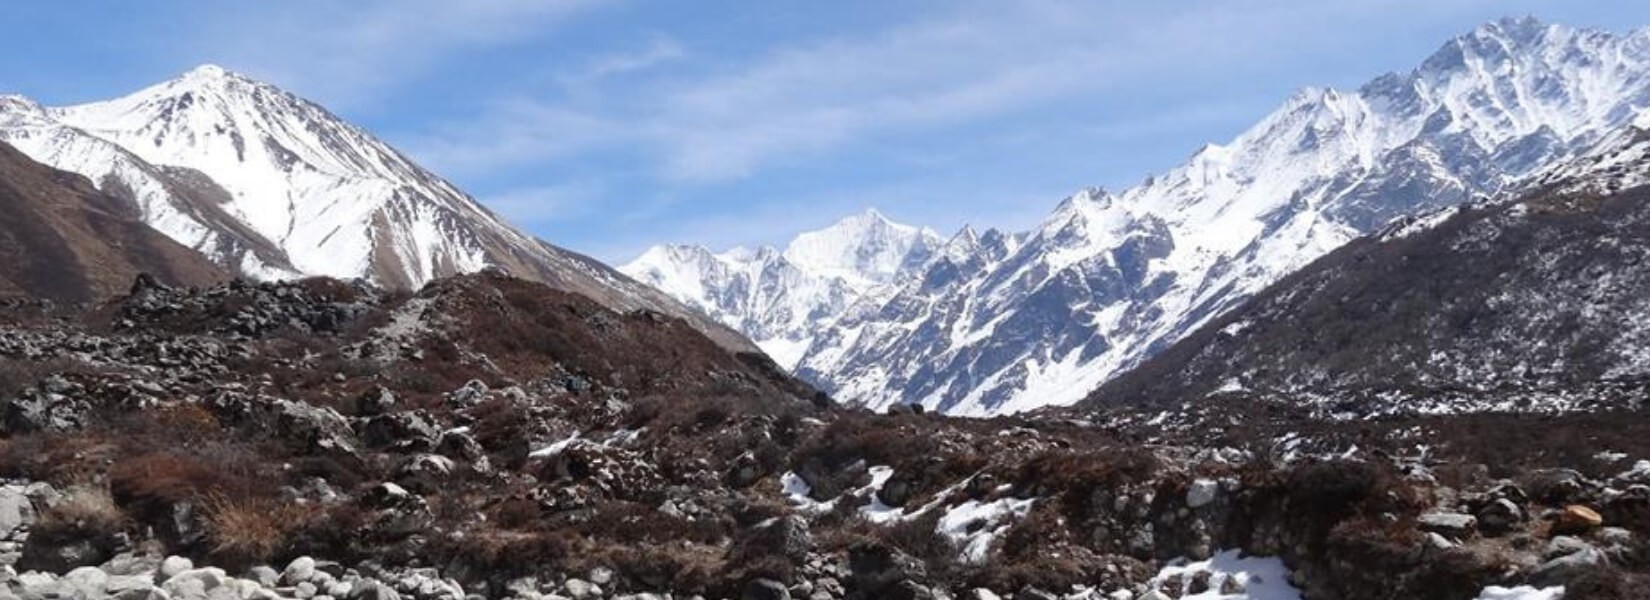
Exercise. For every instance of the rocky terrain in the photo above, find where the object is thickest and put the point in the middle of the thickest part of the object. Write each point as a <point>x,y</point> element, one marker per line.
<point>492,437</point>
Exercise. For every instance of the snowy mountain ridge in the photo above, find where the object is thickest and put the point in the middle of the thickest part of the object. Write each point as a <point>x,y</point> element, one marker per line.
<point>781,299</point>
<point>274,186</point>
<point>1108,279</point>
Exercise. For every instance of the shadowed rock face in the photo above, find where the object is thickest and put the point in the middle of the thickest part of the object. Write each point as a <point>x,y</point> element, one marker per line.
<point>1548,293</point>
<point>62,240</point>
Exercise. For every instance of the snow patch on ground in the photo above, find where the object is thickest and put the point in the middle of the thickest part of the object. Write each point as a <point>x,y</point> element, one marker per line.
<point>554,449</point>
<point>1522,592</point>
<point>798,490</point>
<point>1245,577</point>
<point>973,525</point>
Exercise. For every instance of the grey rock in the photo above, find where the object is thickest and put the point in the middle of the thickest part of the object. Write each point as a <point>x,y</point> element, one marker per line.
<point>1201,493</point>
<point>171,567</point>
<point>1438,542</point>
<point>1559,570</point>
<point>300,570</point>
<point>1500,516</point>
<point>194,584</point>
<point>1451,524</point>
<point>1564,546</point>
<point>375,401</point>
<point>265,575</point>
<point>88,581</point>
<point>600,576</point>
<point>983,594</point>
<point>579,589</point>
<point>1032,593</point>
<point>373,590</point>
<point>131,564</point>
<point>765,589</point>
<point>16,510</point>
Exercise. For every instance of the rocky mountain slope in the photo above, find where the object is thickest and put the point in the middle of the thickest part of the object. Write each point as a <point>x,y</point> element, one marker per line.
<point>782,299</point>
<point>1539,303</point>
<point>65,241</point>
<point>1042,317</point>
<point>188,444</point>
<point>273,186</point>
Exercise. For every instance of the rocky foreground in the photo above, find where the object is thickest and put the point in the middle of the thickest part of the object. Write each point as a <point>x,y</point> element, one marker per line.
<point>488,437</point>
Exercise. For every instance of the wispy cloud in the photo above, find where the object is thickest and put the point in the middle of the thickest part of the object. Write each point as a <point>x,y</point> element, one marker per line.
<point>977,61</point>
<point>354,51</point>
<point>661,49</point>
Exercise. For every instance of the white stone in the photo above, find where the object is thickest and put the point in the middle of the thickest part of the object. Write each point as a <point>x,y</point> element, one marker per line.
<point>1202,493</point>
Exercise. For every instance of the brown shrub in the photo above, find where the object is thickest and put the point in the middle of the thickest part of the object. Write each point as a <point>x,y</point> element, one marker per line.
<point>60,459</point>
<point>512,552</point>
<point>686,567</point>
<point>85,510</point>
<point>150,485</point>
<point>245,531</point>
<point>634,523</point>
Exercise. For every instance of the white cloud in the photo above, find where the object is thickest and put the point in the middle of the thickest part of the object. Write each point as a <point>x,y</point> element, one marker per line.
<point>346,52</point>
<point>660,49</point>
<point>978,61</point>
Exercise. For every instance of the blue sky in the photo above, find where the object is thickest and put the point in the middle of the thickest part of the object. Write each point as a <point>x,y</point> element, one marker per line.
<point>609,125</point>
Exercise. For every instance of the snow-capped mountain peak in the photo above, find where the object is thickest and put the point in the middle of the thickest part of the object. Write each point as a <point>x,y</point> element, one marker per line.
<point>782,299</point>
<point>1109,279</point>
<point>865,250</point>
<point>273,185</point>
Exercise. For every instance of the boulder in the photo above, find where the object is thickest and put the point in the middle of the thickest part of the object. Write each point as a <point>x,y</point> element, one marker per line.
<point>61,552</point>
<point>471,394</point>
<point>298,571</point>
<point>373,590</point>
<point>1576,518</point>
<point>403,430</point>
<point>375,401</point>
<point>1564,546</point>
<point>579,589</point>
<point>1455,525</point>
<point>896,491</point>
<point>1560,570</point>
<point>171,567</point>
<point>16,510</point>
<point>1500,516</point>
<point>766,589</point>
<point>1201,493</point>
<point>52,405</point>
<point>264,575</point>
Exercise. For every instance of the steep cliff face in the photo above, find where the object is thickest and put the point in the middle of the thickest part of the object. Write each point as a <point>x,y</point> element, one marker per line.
<point>61,239</point>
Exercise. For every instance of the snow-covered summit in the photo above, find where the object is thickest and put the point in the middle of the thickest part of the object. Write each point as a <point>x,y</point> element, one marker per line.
<point>1110,279</point>
<point>864,250</point>
<point>273,186</point>
<point>781,299</point>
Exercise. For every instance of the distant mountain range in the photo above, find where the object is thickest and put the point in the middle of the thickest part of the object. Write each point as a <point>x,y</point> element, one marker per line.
<point>272,186</point>
<point>1000,322</point>
<point>783,298</point>
<point>1537,304</point>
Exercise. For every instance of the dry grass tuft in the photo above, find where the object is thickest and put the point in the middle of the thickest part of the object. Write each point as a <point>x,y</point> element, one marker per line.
<point>251,530</point>
<point>85,509</point>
